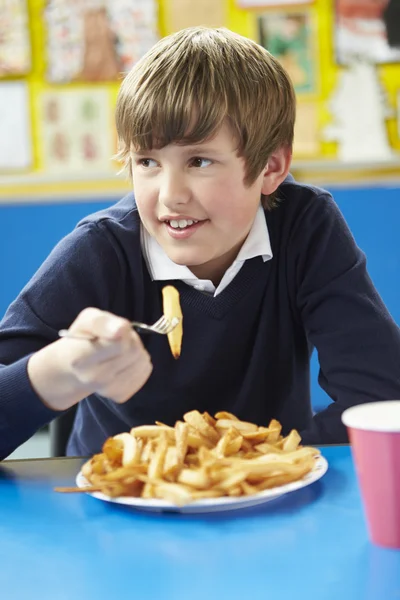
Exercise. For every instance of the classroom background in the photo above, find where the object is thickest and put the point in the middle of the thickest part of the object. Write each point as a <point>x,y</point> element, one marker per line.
<point>61,62</point>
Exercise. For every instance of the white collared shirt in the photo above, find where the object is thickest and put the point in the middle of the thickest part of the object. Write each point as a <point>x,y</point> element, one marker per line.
<point>162,268</point>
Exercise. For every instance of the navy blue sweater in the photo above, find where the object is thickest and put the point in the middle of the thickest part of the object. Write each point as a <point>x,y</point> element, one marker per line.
<point>246,350</point>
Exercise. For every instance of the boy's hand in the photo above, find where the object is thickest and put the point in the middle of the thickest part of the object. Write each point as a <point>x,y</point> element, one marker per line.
<point>116,365</point>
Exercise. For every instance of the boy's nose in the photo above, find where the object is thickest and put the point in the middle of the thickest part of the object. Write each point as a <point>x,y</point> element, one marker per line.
<point>173,192</point>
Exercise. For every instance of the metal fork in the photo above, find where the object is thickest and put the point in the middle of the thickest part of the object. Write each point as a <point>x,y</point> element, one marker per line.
<point>163,326</point>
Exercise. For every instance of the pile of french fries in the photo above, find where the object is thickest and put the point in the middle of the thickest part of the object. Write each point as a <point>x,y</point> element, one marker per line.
<point>201,457</point>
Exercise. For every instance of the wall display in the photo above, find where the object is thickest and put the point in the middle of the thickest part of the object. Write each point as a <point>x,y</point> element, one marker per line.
<point>14,38</point>
<point>84,48</point>
<point>15,138</point>
<point>77,130</point>
<point>361,30</point>
<point>97,40</point>
<point>359,108</point>
<point>290,38</point>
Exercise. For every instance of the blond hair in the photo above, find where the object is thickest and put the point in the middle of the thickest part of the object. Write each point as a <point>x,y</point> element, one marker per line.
<point>190,82</point>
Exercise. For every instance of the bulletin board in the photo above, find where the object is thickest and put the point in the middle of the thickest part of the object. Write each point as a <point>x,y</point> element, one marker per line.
<point>66,91</point>
<point>60,102</point>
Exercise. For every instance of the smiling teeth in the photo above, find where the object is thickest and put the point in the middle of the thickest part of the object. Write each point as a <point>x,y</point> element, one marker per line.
<point>182,223</point>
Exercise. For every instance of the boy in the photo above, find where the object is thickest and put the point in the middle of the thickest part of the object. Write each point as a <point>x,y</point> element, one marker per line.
<point>266,269</point>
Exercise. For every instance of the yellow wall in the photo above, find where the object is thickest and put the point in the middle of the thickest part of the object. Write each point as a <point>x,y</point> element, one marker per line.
<point>241,21</point>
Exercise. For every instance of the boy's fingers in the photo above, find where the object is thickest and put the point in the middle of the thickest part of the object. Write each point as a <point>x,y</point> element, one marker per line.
<point>129,380</point>
<point>117,378</point>
<point>100,324</point>
<point>100,352</point>
<point>115,363</point>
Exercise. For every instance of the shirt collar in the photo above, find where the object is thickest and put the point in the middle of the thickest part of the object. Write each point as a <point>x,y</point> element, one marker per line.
<point>162,268</point>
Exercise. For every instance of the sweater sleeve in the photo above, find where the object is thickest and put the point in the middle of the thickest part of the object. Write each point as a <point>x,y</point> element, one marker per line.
<point>81,271</point>
<point>357,341</point>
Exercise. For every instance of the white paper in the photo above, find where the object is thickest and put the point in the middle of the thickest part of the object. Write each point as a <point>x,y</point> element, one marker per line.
<point>15,131</point>
<point>359,108</point>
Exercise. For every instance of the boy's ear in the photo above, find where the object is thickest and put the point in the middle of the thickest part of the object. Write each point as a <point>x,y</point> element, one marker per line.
<point>276,170</point>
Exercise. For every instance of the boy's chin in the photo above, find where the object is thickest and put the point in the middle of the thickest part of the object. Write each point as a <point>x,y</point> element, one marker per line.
<point>181,261</point>
<point>184,259</point>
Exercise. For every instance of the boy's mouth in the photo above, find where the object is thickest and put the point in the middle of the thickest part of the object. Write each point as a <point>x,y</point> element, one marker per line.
<point>181,223</point>
<point>183,228</point>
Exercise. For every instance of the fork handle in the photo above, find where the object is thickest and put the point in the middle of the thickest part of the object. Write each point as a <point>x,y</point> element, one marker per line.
<point>141,327</point>
<point>66,333</point>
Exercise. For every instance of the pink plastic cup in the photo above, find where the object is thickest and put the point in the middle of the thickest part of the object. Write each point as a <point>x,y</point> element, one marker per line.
<point>374,432</point>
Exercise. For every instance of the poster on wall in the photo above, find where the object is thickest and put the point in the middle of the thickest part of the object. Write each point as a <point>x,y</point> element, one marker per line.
<point>14,38</point>
<point>15,138</point>
<point>289,37</point>
<point>359,108</point>
<point>361,30</point>
<point>97,40</point>
<point>77,131</point>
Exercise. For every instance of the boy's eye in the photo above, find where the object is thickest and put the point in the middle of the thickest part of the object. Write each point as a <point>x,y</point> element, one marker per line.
<point>199,162</point>
<point>147,162</point>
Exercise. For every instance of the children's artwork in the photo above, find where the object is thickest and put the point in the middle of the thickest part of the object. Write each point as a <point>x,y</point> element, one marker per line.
<point>264,3</point>
<point>77,130</point>
<point>362,28</point>
<point>359,108</point>
<point>15,138</point>
<point>289,37</point>
<point>14,38</point>
<point>97,40</point>
<point>306,135</point>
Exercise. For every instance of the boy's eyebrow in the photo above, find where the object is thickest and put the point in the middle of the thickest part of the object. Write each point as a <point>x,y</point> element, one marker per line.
<point>200,149</point>
<point>188,149</point>
<point>140,152</point>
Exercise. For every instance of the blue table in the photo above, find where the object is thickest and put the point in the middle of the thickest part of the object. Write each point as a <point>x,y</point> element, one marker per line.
<point>310,544</point>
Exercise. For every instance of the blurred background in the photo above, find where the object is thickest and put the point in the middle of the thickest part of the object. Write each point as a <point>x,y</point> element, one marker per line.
<point>61,63</point>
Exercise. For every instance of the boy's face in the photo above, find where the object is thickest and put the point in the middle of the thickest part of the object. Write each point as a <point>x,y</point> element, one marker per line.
<point>193,201</point>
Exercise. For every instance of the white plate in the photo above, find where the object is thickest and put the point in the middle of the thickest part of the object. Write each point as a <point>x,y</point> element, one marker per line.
<point>213,504</point>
